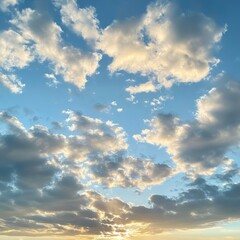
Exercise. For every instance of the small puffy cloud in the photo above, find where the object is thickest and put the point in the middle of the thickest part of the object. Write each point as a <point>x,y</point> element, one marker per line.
<point>159,101</point>
<point>201,145</point>
<point>114,103</point>
<point>102,108</point>
<point>74,64</point>
<point>5,4</point>
<point>119,109</point>
<point>144,87</point>
<point>163,44</point>
<point>82,21</point>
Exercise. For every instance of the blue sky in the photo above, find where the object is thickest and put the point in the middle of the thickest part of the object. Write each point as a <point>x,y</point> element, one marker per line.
<point>119,119</point>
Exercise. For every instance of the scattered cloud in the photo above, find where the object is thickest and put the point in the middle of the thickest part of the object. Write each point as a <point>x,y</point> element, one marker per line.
<point>102,108</point>
<point>75,65</point>
<point>114,103</point>
<point>49,173</point>
<point>53,82</point>
<point>119,109</point>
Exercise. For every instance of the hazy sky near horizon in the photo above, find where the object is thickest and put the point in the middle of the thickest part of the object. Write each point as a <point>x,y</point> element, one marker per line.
<point>119,119</point>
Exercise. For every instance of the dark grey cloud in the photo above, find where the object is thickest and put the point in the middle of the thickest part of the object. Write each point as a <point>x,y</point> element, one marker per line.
<point>201,206</point>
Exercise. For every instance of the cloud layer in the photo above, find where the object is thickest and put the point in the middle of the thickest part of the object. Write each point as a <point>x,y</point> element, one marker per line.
<point>60,174</point>
<point>42,173</point>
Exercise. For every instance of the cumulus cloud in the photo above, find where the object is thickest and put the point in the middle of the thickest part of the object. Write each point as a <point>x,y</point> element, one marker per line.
<point>97,135</point>
<point>108,160</point>
<point>75,65</point>
<point>201,145</point>
<point>127,171</point>
<point>82,21</point>
<point>163,44</point>
<point>38,191</point>
<point>119,109</point>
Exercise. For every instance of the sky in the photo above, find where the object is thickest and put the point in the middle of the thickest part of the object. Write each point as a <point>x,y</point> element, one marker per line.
<point>119,120</point>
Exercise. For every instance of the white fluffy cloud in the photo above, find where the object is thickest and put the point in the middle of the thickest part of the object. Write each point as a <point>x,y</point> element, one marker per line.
<point>82,21</point>
<point>201,145</point>
<point>163,44</point>
<point>73,64</point>
<point>15,53</point>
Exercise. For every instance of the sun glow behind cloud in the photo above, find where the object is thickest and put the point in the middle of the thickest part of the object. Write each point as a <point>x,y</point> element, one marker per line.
<point>119,124</point>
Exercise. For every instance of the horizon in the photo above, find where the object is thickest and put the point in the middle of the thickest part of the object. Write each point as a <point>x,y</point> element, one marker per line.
<point>119,120</point>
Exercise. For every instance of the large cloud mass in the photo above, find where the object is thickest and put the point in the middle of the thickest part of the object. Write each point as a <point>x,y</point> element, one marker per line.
<point>163,44</point>
<point>42,173</point>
